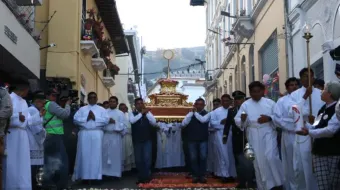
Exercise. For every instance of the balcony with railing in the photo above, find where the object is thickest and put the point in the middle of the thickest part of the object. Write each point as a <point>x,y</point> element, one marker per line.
<point>100,47</point>
<point>24,12</point>
<point>132,90</point>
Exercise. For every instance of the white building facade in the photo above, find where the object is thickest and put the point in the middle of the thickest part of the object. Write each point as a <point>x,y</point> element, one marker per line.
<point>126,87</point>
<point>19,48</point>
<point>324,18</point>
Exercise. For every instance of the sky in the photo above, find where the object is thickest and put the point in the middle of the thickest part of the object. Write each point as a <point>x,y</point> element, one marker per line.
<point>164,24</point>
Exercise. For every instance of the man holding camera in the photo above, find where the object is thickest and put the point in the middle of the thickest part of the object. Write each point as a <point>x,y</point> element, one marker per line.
<point>56,160</point>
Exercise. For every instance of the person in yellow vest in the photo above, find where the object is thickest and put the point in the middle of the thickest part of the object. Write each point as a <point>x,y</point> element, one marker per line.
<point>56,160</point>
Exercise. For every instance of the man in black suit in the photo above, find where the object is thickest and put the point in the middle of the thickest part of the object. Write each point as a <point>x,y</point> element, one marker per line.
<point>245,168</point>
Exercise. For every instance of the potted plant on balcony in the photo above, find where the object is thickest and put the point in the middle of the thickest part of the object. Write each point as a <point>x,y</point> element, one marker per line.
<point>108,62</point>
<point>105,47</point>
<point>115,69</point>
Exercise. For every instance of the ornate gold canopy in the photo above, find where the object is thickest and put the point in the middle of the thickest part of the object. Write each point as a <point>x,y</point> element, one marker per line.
<point>169,105</point>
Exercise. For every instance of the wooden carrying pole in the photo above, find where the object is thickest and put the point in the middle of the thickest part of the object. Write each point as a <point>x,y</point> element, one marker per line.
<point>309,78</point>
<point>308,36</point>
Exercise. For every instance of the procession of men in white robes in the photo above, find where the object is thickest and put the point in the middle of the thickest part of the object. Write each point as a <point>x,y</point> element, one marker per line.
<point>103,150</point>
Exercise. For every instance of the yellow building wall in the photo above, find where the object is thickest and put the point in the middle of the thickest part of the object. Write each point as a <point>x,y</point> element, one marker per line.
<point>67,59</point>
<point>270,19</point>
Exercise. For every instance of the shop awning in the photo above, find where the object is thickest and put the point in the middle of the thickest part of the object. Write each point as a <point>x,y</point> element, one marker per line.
<point>109,13</point>
<point>12,69</point>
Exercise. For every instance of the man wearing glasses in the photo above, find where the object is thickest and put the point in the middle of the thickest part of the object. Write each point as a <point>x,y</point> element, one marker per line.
<point>55,159</point>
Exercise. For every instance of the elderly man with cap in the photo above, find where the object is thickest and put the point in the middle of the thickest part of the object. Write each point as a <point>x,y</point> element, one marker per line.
<point>55,152</point>
<point>326,134</point>
<point>245,168</point>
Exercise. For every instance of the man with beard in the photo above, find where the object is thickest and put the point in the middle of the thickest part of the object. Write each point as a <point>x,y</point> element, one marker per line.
<point>245,168</point>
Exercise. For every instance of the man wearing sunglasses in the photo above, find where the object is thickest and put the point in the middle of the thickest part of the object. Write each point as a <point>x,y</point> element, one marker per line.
<point>54,147</point>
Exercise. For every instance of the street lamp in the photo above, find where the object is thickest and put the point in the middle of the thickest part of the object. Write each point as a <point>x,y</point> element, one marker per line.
<point>307,36</point>
<point>48,46</point>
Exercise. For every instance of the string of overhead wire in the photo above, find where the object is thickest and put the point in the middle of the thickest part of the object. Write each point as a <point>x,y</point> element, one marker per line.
<point>171,70</point>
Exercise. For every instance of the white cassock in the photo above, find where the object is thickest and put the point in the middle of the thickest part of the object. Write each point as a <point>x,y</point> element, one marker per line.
<point>128,155</point>
<point>162,142</point>
<point>303,169</point>
<point>112,144</point>
<point>175,156</point>
<point>283,119</point>
<point>263,139</point>
<point>224,152</point>
<point>36,136</point>
<point>211,166</point>
<point>17,163</point>
<point>88,165</point>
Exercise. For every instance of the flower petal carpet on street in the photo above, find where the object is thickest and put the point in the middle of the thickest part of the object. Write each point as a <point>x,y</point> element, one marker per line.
<point>179,180</point>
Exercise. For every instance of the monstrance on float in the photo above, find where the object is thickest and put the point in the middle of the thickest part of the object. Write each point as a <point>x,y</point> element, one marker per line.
<point>168,54</point>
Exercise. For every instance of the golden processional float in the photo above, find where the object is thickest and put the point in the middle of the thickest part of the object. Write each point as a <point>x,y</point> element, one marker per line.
<point>169,106</point>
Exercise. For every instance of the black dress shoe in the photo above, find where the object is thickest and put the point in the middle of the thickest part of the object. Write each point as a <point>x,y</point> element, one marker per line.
<point>241,186</point>
<point>228,180</point>
<point>195,180</point>
<point>203,180</point>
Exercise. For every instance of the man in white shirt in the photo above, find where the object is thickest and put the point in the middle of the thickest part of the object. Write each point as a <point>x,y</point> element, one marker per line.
<point>197,123</point>
<point>142,121</point>
<point>283,120</point>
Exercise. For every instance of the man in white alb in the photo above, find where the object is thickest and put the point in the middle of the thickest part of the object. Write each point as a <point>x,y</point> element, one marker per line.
<point>128,155</point>
<point>225,158</point>
<point>255,116</point>
<point>91,119</point>
<point>283,120</point>
<point>112,140</point>
<point>36,135</point>
<point>303,172</point>
<point>17,163</point>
